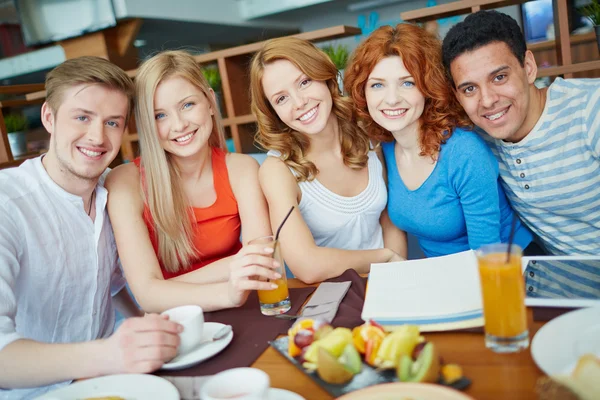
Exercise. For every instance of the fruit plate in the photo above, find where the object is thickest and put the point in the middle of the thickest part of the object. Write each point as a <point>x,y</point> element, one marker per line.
<point>368,376</point>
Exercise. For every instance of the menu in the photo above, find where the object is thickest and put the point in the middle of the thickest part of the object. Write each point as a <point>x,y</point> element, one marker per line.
<point>436,293</point>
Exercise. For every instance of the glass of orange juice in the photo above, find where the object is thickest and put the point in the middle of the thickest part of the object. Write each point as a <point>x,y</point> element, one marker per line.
<point>503,294</point>
<point>275,301</point>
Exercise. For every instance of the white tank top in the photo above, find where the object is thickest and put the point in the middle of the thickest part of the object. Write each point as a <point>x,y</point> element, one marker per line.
<point>350,223</point>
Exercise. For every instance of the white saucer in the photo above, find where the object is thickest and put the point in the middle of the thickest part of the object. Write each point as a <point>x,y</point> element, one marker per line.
<point>204,351</point>
<point>128,386</point>
<point>557,346</point>
<point>282,394</point>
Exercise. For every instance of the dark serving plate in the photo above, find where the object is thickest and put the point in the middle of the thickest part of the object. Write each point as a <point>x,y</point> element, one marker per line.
<point>368,376</point>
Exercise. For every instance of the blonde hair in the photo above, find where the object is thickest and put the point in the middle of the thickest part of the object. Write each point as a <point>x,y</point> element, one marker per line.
<point>161,180</point>
<point>90,70</point>
<point>273,134</point>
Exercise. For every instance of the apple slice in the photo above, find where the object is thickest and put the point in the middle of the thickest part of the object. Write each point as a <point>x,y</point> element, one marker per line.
<point>425,369</point>
<point>330,369</point>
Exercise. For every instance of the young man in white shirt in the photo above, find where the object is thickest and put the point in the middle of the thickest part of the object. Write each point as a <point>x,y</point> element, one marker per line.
<point>58,258</point>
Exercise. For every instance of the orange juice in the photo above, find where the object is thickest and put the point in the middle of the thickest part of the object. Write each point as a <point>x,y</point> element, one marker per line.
<point>275,301</point>
<point>503,292</point>
<point>275,295</point>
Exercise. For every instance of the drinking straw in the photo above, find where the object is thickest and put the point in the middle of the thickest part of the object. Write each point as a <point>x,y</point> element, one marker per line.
<point>513,224</point>
<point>283,222</point>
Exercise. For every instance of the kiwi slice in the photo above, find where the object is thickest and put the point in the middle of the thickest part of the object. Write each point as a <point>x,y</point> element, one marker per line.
<point>350,359</point>
<point>426,368</point>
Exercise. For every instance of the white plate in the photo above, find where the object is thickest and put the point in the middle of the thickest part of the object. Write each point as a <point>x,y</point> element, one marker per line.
<point>127,386</point>
<point>204,351</point>
<point>402,390</point>
<point>557,346</point>
<point>282,394</point>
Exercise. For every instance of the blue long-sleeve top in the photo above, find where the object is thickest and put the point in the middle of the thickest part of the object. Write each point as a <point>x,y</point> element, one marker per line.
<point>460,206</point>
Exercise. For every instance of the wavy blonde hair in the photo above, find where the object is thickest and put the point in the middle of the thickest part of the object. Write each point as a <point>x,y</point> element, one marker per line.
<point>274,134</point>
<point>161,180</point>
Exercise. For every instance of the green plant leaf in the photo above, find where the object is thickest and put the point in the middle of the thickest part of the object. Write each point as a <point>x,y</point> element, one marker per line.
<point>211,73</point>
<point>592,11</point>
<point>15,122</point>
<point>339,55</point>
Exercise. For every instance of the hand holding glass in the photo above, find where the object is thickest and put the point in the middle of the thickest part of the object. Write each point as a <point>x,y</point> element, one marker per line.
<point>276,301</point>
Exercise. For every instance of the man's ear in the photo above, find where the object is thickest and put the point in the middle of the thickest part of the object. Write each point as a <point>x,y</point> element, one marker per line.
<point>48,118</point>
<point>530,67</point>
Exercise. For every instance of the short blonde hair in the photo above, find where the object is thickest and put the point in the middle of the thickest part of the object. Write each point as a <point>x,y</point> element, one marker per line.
<point>164,194</point>
<point>273,134</point>
<point>90,70</point>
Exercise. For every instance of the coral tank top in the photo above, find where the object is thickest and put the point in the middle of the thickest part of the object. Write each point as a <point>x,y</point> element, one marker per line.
<point>216,228</point>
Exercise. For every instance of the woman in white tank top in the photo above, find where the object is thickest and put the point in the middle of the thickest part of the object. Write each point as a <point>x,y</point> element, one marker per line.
<point>321,162</point>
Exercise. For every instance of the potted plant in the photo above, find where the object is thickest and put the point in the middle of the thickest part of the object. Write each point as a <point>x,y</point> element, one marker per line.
<point>339,54</point>
<point>211,73</point>
<point>16,124</point>
<point>592,11</point>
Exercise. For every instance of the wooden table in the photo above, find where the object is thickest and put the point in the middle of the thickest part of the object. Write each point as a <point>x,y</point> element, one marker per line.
<point>493,376</point>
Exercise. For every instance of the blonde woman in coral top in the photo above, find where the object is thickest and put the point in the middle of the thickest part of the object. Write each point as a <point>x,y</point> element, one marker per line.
<point>178,210</point>
<point>321,162</point>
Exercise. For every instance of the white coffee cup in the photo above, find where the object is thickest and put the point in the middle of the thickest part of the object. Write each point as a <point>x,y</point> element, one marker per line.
<point>192,320</point>
<point>237,383</point>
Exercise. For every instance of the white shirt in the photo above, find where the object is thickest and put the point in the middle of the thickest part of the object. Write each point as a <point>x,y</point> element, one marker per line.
<point>349,223</point>
<point>57,266</point>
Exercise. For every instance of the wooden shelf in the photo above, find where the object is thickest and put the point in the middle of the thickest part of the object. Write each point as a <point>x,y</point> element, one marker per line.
<point>233,67</point>
<point>36,95</point>
<point>455,8</point>
<point>20,102</point>
<point>334,32</point>
<point>551,44</point>
<point>20,89</point>
<point>241,120</point>
<point>568,69</point>
<point>562,44</point>
<point>132,137</point>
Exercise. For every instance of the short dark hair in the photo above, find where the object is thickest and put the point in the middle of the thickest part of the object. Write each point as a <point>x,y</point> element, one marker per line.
<point>480,29</point>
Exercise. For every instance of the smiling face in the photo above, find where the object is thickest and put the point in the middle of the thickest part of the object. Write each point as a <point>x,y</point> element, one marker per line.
<point>393,100</point>
<point>183,116</point>
<point>494,90</point>
<point>300,102</point>
<point>86,130</point>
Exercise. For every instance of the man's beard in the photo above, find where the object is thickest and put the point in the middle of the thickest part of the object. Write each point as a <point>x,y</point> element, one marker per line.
<point>69,169</point>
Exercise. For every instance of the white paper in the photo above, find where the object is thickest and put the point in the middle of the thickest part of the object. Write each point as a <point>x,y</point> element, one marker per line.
<point>428,288</point>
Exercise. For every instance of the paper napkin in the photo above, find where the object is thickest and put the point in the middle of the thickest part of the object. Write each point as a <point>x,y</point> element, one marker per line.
<point>325,301</point>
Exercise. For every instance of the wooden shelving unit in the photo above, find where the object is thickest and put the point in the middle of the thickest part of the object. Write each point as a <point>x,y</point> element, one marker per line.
<point>562,43</point>
<point>233,67</point>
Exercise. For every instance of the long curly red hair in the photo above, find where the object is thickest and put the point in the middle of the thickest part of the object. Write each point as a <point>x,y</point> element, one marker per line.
<point>421,53</point>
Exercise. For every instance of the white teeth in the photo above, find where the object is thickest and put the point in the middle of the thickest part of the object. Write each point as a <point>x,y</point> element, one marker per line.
<point>309,114</point>
<point>496,116</point>
<point>90,153</point>
<point>394,113</point>
<point>184,138</point>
